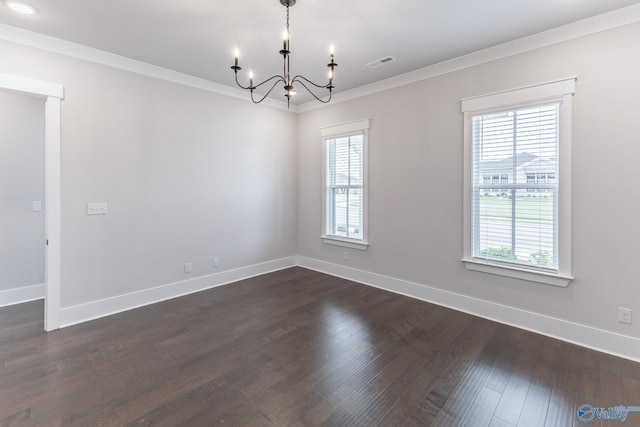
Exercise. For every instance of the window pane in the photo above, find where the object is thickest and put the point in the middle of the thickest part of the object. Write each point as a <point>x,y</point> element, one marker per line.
<point>341,161</point>
<point>494,227</point>
<point>345,162</point>
<point>355,214</point>
<point>344,186</point>
<point>535,224</point>
<point>514,215</point>
<point>356,160</point>
<point>340,212</point>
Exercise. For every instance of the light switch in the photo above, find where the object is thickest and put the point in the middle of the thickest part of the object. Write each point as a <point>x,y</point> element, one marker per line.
<point>96,208</point>
<point>37,206</point>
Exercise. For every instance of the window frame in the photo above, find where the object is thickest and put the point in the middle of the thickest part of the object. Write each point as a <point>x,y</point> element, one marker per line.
<point>359,127</point>
<point>559,91</point>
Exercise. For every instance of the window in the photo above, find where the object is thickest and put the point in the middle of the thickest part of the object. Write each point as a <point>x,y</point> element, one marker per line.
<point>345,184</point>
<point>519,227</point>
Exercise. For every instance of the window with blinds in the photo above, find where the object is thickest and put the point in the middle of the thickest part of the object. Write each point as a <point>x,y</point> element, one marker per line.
<point>344,185</point>
<point>515,186</point>
<point>517,182</point>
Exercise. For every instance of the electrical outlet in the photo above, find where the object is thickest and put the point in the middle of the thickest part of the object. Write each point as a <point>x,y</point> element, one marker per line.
<point>216,262</point>
<point>188,267</point>
<point>624,315</point>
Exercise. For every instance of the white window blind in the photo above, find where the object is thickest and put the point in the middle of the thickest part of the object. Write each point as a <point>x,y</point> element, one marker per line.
<point>344,187</point>
<point>517,182</point>
<point>514,210</point>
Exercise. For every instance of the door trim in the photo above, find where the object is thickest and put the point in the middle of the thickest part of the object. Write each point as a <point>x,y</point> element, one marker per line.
<point>53,94</point>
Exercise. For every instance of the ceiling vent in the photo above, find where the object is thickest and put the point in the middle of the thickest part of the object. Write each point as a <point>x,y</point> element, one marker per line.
<point>382,61</point>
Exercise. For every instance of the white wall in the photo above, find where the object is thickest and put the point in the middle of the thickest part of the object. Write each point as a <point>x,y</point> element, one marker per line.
<point>415,186</point>
<point>21,184</point>
<point>188,175</point>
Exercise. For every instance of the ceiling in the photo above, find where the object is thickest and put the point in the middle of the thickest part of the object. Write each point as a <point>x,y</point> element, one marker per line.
<point>198,37</point>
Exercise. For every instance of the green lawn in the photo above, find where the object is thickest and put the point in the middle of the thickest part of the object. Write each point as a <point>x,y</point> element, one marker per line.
<point>535,209</point>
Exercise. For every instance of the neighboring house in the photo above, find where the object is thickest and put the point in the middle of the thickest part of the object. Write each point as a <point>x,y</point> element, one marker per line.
<point>526,168</point>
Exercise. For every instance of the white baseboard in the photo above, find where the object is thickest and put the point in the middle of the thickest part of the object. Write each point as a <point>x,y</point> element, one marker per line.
<point>586,336</point>
<point>20,295</point>
<point>105,307</point>
<point>575,333</point>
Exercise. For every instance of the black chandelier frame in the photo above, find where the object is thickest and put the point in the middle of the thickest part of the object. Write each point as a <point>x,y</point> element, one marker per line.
<point>285,78</point>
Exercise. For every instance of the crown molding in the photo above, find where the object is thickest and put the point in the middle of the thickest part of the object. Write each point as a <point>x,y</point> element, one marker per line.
<point>596,24</point>
<point>75,50</point>
<point>606,21</point>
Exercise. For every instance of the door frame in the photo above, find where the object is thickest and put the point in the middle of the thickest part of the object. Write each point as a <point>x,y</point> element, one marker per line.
<point>53,94</point>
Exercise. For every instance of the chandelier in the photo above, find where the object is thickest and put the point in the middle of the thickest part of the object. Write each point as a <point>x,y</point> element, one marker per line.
<point>285,78</point>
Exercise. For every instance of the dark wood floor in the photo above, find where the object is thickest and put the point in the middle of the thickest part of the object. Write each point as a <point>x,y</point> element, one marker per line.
<point>299,348</point>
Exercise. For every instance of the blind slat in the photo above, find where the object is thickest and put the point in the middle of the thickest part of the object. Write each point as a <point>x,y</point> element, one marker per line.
<point>343,186</point>
<point>515,183</point>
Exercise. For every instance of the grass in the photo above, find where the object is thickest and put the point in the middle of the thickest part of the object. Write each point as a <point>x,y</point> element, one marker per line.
<point>531,209</point>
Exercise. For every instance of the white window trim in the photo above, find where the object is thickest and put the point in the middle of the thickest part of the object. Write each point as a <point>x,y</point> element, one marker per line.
<point>558,89</point>
<point>346,243</point>
<point>336,131</point>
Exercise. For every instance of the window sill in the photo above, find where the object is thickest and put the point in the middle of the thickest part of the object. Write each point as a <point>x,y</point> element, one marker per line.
<point>547,278</point>
<point>347,243</point>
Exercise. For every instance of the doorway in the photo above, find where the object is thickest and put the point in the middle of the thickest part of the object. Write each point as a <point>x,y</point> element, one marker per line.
<point>53,94</point>
<point>22,214</point>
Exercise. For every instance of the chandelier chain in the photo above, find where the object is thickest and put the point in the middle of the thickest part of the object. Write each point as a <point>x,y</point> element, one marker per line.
<point>288,66</point>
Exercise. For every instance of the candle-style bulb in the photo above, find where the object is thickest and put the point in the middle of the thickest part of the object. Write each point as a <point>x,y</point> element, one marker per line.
<point>251,78</point>
<point>236,53</point>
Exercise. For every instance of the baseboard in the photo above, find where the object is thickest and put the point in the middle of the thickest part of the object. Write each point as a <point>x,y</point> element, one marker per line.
<point>20,295</point>
<point>575,333</point>
<point>105,307</point>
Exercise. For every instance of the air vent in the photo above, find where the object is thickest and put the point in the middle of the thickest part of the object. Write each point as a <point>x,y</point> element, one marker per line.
<point>379,62</point>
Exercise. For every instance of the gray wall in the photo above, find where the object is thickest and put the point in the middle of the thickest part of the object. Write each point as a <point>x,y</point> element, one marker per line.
<point>415,180</point>
<point>21,183</point>
<point>188,175</point>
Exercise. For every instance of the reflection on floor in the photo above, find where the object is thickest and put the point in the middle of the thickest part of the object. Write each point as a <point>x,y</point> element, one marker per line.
<point>297,347</point>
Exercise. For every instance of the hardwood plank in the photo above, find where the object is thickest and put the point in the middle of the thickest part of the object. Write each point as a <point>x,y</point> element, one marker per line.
<point>544,371</point>
<point>457,401</point>
<point>325,409</point>
<point>535,408</point>
<point>482,408</point>
<point>339,418</point>
<point>457,355</point>
<point>562,405</point>
<point>514,395</point>
<point>297,347</point>
<point>504,364</point>
<point>388,373</point>
<point>433,346</point>
<point>497,422</point>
